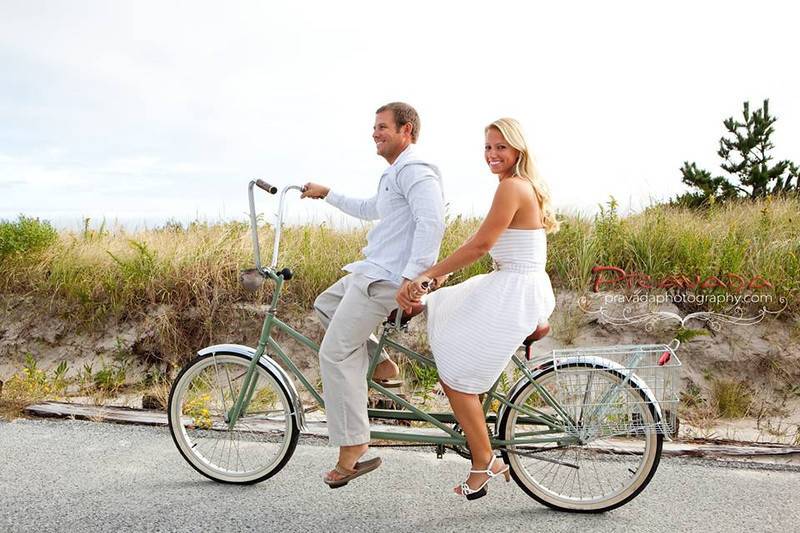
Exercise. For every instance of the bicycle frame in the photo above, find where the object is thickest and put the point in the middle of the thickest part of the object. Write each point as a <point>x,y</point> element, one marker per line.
<point>560,428</point>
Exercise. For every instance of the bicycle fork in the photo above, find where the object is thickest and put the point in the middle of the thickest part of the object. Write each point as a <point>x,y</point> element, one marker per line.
<point>250,381</point>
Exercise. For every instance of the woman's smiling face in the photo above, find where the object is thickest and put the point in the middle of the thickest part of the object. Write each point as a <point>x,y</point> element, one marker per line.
<point>500,156</point>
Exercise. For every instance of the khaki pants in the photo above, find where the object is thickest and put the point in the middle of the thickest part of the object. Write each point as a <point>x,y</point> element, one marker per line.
<point>350,310</point>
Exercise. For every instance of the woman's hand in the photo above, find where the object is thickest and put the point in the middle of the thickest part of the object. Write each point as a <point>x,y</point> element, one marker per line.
<point>419,286</point>
<point>438,282</point>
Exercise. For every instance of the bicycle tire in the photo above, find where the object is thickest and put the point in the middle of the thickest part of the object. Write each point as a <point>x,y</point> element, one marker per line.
<point>540,486</point>
<point>197,419</point>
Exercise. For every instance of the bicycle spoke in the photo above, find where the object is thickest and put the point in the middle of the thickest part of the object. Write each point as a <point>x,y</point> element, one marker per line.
<point>604,460</point>
<point>255,444</point>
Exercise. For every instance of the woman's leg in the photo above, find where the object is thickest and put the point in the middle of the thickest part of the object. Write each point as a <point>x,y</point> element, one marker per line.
<point>469,413</point>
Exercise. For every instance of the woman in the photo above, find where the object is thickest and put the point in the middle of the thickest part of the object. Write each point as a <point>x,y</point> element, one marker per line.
<point>475,327</point>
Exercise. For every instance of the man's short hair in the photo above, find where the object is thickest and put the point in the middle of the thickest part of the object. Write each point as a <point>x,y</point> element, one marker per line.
<point>403,114</point>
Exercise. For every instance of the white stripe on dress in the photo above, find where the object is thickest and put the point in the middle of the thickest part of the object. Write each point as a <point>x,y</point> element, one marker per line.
<point>476,326</point>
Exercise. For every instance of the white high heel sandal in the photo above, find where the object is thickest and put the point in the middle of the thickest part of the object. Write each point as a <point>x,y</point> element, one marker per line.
<point>474,494</point>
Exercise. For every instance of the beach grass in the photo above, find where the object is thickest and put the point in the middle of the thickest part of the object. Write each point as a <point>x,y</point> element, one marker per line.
<point>95,274</point>
<point>180,283</point>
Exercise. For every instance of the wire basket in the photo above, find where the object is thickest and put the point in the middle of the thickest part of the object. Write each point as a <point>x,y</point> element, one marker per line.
<point>619,390</point>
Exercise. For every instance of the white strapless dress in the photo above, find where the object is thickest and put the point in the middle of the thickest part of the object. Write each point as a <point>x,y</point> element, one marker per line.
<point>475,327</point>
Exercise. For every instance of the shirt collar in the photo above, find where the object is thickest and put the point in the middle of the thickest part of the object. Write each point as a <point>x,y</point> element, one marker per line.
<point>405,155</point>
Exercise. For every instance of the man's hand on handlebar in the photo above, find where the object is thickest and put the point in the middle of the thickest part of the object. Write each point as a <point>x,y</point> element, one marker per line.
<point>315,191</point>
<point>411,291</point>
<point>404,298</point>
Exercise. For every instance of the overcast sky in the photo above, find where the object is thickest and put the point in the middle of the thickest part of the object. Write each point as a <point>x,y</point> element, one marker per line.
<point>143,111</point>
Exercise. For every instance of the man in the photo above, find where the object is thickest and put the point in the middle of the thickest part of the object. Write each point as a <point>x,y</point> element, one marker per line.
<point>410,208</point>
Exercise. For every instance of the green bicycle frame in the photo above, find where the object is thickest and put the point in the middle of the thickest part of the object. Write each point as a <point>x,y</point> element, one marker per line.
<point>560,428</point>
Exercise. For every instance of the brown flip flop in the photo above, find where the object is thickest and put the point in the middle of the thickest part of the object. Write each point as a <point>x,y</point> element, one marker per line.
<point>361,468</point>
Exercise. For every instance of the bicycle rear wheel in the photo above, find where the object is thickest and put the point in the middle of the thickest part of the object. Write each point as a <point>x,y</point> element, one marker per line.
<point>263,438</point>
<point>619,447</point>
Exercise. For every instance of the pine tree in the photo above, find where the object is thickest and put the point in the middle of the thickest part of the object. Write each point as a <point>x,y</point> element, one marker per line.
<point>745,151</point>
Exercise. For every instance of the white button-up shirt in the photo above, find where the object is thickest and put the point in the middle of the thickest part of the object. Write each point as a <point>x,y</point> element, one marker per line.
<point>410,206</point>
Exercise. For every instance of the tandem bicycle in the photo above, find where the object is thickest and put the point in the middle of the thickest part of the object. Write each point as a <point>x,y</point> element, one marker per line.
<point>582,429</point>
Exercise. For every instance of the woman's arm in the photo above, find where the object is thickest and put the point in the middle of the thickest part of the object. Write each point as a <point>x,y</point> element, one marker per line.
<point>504,206</point>
<point>507,200</point>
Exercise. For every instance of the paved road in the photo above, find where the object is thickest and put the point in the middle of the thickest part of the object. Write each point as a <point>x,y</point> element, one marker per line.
<point>85,476</point>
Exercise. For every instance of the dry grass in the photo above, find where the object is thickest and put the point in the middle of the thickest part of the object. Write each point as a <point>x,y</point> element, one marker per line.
<point>566,322</point>
<point>182,282</point>
<point>732,399</point>
<point>31,385</point>
<point>116,273</point>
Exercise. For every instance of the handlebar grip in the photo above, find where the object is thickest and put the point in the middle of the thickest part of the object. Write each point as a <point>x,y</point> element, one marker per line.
<point>266,186</point>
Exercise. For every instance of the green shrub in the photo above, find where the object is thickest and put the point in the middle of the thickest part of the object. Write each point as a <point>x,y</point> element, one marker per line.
<point>425,377</point>
<point>30,386</point>
<point>731,398</point>
<point>610,235</point>
<point>110,378</point>
<point>24,236</point>
<point>572,252</point>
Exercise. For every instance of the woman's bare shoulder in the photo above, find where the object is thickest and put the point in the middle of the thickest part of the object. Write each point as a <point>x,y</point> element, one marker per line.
<point>516,186</point>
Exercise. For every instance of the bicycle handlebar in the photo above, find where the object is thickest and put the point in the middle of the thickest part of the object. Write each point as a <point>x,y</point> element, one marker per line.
<point>261,184</point>
<point>266,186</point>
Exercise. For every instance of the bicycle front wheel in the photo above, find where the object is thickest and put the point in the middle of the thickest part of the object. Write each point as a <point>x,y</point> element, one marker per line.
<point>261,441</point>
<point>603,460</point>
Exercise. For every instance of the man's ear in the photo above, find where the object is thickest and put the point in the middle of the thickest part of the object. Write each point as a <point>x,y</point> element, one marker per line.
<point>407,128</point>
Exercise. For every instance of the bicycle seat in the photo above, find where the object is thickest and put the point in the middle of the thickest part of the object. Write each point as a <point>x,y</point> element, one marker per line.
<point>540,332</point>
<point>415,310</point>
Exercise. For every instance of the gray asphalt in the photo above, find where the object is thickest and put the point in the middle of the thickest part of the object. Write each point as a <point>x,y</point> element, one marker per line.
<point>86,476</point>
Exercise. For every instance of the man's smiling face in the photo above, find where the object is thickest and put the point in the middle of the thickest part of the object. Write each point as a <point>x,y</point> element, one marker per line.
<point>390,140</point>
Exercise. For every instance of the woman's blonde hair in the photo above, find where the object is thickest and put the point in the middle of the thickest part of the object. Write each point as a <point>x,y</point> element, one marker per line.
<point>511,131</point>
